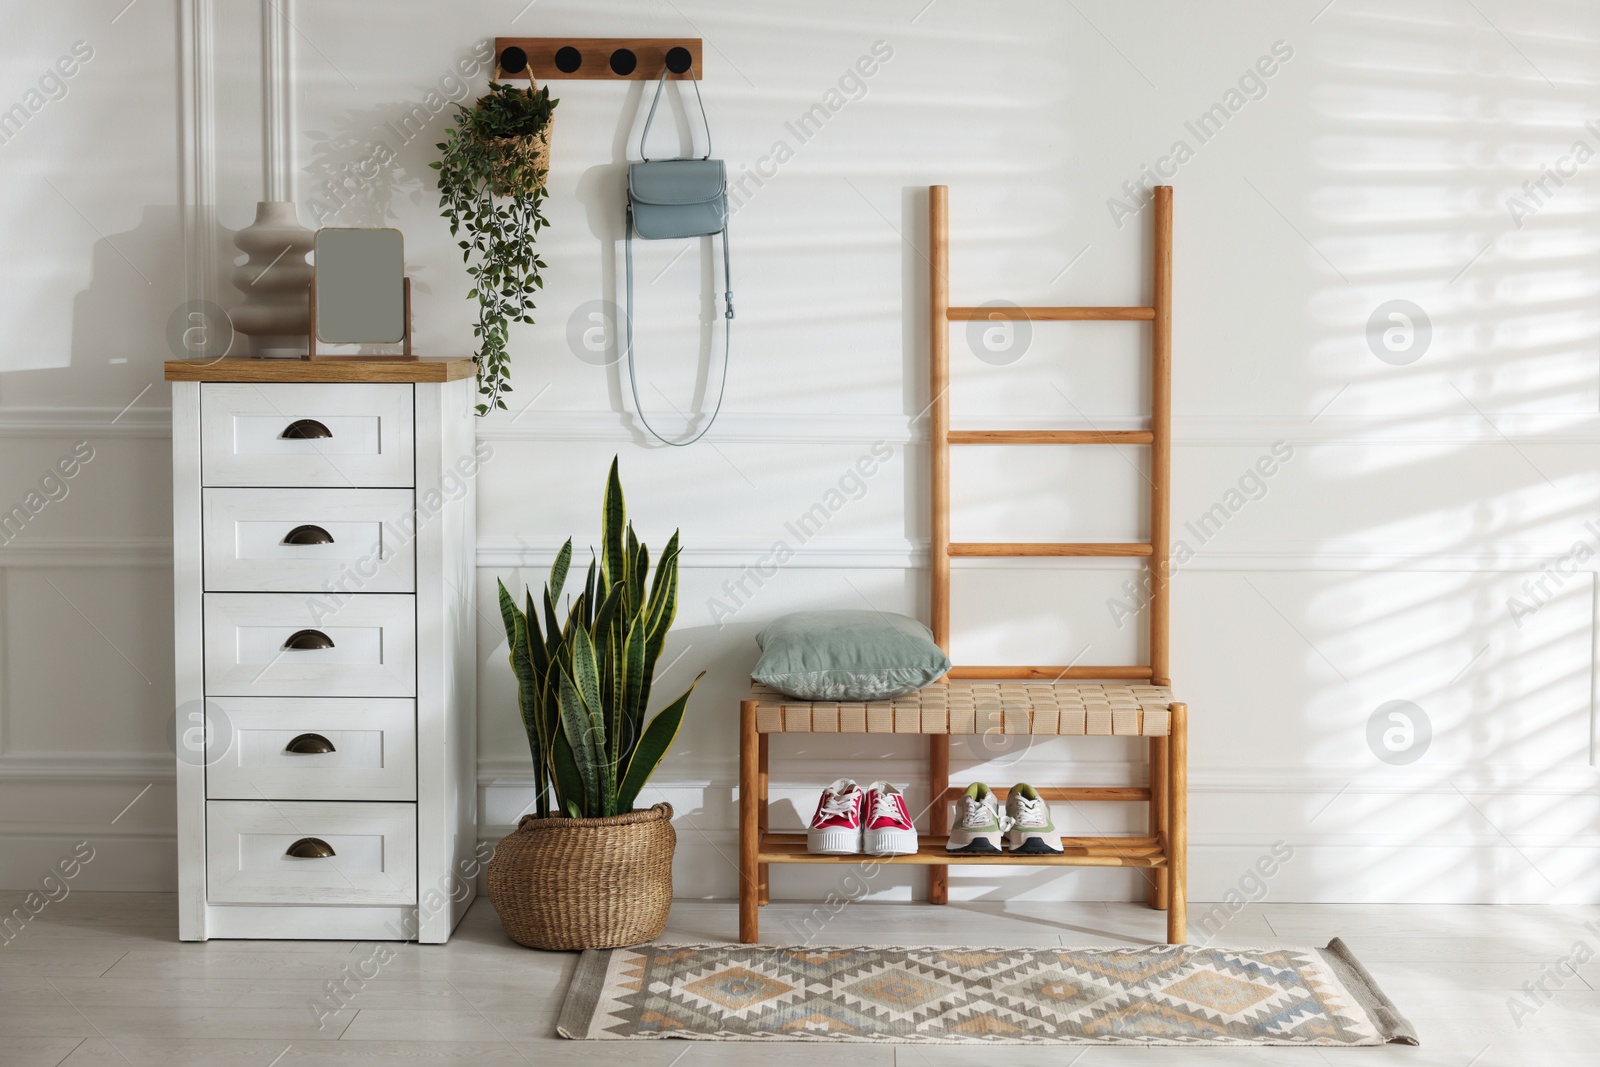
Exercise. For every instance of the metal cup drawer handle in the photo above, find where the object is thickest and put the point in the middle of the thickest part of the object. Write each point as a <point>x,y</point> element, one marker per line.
<point>310,848</point>
<point>310,744</point>
<point>307,640</point>
<point>307,535</point>
<point>300,429</point>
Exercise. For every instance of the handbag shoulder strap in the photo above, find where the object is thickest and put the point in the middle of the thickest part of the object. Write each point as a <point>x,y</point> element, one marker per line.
<point>727,341</point>
<point>660,85</point>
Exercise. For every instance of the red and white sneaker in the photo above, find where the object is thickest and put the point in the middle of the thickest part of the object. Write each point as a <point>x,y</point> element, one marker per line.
<point>888,830</point>
<point>836,827</point>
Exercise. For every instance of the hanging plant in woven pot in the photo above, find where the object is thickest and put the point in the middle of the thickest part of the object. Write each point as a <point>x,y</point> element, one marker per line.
<point>586,869</point>
<point>492,185</point>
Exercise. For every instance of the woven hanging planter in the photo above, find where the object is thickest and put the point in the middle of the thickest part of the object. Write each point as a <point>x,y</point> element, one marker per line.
<point>521,163</point>
<point>560,883</point>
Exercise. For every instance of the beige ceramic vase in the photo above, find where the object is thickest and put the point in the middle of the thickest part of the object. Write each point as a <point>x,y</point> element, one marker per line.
<point>275,281</point>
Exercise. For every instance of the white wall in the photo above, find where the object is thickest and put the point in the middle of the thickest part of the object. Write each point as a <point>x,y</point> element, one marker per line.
<point>1376,567</point>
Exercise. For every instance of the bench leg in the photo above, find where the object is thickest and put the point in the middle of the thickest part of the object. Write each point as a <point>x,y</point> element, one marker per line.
<point>1178,828</point>
<point>1158,818</point>
<point>938,813</point>
<point>749,824</point>
<point>763,878</point>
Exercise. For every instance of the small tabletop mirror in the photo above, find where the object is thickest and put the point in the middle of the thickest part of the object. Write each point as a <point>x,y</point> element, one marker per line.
<point>361,294</point>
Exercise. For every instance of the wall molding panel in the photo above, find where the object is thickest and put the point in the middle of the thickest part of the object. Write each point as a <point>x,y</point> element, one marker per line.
<point>844,553</point>
<point>513,776</point>
<point>277,94</point>
<point>1489,780</point>
<point>147,862</point>
<point>88,552</point>
<point>95,423</point>
<point>840,553</point>
<point>790,427</point>
<point>197,199</point>
<point>69,767</point>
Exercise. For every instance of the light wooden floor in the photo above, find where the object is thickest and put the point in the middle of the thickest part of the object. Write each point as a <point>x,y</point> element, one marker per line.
<point>100,978</point>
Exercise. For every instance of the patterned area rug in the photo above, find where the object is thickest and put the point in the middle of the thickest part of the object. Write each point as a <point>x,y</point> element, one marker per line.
<point>1163,995</point>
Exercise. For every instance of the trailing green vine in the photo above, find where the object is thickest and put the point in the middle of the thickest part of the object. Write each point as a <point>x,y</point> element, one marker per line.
<point>491,183</point>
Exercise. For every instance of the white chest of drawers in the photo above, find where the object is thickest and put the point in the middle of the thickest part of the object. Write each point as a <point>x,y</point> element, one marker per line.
<point>323,539</point>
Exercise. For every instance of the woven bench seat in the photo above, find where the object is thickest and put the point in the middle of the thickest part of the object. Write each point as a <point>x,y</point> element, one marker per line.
<point>979,707</point>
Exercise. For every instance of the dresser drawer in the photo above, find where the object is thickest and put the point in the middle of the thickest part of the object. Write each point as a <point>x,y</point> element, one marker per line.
<point>310,853</point>
<point>370,638</point>
<point>298,749</point>
<point>309,540</point>
<point>338,436</point>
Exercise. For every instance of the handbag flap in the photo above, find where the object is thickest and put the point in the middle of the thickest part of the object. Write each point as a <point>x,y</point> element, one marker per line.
<point>677,181</point>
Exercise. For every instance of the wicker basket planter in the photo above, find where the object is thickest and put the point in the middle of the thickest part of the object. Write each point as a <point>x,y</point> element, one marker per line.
<point>522,164</point>
<point>560,883</point>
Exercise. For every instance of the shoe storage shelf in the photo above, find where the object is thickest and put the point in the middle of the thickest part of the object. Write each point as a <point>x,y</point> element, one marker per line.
<point>977,708</point>
<point>326,657</point>
<point>1125,700</point>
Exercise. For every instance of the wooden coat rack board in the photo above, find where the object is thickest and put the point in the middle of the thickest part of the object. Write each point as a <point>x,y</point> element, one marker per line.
<point>597,58</point>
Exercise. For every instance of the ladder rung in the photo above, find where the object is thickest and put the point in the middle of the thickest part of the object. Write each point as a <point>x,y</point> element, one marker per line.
<point>1050,548</point>
<point>1052,674</point>
<point>1051,314</point>
<point>1050,437</point>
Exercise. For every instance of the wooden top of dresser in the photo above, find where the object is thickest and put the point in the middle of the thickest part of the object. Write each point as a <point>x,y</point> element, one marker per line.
<point>420,369</point>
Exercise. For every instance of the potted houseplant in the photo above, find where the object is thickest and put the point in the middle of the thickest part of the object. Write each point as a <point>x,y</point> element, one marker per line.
<point>491,183</point>
<point>586,870</point>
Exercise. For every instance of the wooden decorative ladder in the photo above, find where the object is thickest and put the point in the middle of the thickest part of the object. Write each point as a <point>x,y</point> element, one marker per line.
<point>1052,700</point>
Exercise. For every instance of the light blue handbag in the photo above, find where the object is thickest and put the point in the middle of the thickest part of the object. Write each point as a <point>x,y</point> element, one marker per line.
<point>679,198</point>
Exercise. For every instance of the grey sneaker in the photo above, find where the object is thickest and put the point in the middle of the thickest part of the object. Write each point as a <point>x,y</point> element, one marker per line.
<point>980,824</point>
<point>1032,833</point>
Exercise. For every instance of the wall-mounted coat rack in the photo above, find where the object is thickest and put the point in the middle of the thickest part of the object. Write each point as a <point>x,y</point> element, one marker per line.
<point>597,58</point>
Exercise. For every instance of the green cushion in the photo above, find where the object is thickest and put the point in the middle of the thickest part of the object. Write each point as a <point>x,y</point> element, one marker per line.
<point>848,655</point>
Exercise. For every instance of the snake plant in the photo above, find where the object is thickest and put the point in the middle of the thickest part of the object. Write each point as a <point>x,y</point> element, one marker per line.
<point>584,684</point>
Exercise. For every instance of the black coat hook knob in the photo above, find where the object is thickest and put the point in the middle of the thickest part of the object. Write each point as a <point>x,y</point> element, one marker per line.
<point>623,61</point>
<point>568,59</point>
<point>679,60</point>
<point>513,60</point>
